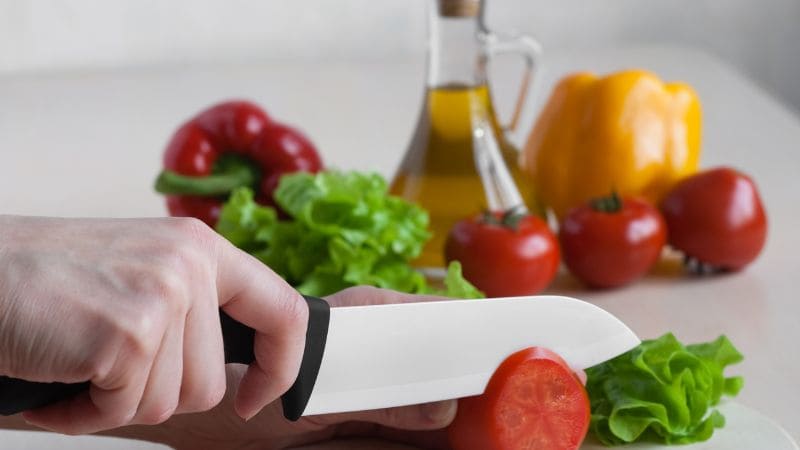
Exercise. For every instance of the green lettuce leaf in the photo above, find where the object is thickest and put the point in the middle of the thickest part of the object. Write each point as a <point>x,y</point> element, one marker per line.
<point>662,391</point>
<point>344,229</point>
<point>243,222</point>
<point>455,285</point>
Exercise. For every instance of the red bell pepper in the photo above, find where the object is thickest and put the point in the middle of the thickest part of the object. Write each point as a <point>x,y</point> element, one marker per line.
<point>226,146</point>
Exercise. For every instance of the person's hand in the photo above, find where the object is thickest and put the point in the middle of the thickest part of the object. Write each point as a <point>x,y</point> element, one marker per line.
<point>132,306</point>
<point>417,426</point>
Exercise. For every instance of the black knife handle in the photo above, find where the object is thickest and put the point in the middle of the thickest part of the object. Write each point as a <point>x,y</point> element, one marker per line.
<point>294,400</point>
<point>20,395</point>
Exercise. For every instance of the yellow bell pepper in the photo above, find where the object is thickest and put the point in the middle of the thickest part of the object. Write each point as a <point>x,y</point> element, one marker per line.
<point>627,131</point>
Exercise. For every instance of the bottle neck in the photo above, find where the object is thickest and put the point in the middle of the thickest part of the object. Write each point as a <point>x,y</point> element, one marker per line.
<point>455,50</point>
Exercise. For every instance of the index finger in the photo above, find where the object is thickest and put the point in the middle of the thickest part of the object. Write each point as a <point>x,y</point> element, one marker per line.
<point>256,296</point>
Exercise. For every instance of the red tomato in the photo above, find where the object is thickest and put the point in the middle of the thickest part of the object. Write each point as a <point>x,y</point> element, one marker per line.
<point>532,401</point>
<point>716,217</point>
<point>504,259</point>
<point>611,242</point>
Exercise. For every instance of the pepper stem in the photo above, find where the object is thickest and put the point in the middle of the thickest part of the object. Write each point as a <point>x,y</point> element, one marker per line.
<point>226,177</point>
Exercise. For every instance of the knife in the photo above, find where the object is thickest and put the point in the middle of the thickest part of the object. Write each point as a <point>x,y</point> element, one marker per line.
<point>378,356</point>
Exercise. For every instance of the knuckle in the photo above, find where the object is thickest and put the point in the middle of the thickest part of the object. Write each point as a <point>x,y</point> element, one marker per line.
<point>124,418</point>
<point>142,330</point>
<point>167,285</point>
<point>157,414</point>
<point>212,398</point>
<point>123,341</point>
<point>189,254</point>
<point>119,418</point>
<point>295,312</point>
<point>162,282</point>
<point>96,366</point>
<point>194,230</point>
<point>204,399</point>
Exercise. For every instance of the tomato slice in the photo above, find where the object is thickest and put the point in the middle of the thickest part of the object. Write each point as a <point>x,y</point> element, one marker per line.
<point>533,402</point>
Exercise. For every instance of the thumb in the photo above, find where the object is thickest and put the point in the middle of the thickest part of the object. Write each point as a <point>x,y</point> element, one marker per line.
<point>427,416</point>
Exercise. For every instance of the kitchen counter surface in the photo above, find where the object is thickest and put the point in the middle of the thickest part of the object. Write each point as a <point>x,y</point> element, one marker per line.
<point>89,144</point>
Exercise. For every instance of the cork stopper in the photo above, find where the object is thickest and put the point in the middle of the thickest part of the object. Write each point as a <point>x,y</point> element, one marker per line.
<point>459,8</point>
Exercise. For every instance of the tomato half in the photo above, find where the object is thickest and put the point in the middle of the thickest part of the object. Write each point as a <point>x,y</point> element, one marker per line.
<point>717,217</point>
<point>504,255</point>
<point>611,242</point>
<point>532,402</point>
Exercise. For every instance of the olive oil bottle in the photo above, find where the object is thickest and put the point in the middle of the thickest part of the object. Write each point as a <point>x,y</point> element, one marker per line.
<point>440,170</point>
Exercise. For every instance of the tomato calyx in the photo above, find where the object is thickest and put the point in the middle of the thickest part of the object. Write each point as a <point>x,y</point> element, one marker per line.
<point>697,267</point>
<point>508,219</point>
<point>610,204</point>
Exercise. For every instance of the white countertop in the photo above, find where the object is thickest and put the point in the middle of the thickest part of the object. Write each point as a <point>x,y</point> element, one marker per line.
<point>90,145</point>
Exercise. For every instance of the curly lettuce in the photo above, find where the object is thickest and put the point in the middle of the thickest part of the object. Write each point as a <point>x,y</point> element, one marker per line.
<point>343,230</point>
<point>662,391</point>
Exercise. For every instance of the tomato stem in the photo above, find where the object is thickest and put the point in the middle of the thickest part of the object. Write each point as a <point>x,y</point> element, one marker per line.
<point>509,219</point>
<point>609,204</point>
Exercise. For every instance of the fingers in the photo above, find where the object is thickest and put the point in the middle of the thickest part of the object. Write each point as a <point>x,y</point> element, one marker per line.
<point>162,391</point>
<point>368,295</point>
<point>428,416</point>
<point>581,374</point>
<point>257,297</point>
<point>203,383</point>
<point>111,403</point>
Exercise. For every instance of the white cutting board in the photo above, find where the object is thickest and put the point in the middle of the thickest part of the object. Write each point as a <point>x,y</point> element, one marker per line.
<point>746,429</point>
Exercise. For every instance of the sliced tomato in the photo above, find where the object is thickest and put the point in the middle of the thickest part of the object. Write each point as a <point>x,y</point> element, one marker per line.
<point>533,402</point>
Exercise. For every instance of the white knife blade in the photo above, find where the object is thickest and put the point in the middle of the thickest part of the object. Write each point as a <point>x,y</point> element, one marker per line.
<point>381,356</point>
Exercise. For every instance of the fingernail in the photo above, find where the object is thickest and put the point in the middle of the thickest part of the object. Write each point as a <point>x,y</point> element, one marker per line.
<point>440,412</point>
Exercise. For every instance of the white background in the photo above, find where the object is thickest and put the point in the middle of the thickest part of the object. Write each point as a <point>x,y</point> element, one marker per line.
<point>760,37</point>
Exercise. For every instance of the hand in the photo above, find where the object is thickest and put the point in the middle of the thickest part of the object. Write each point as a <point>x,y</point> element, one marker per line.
<point>396,428</point>
<point>132,306</point>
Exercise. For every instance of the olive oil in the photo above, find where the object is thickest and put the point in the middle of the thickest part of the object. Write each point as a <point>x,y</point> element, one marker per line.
<point>439,170</point>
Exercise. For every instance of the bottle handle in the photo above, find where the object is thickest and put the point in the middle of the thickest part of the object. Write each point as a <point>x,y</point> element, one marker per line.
<point>530,50</point>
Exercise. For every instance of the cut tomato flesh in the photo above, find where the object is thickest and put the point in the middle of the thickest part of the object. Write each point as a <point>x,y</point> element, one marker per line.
<point>532,402</point>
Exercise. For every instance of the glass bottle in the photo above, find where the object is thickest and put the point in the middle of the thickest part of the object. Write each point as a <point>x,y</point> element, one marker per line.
<point>460,161</point>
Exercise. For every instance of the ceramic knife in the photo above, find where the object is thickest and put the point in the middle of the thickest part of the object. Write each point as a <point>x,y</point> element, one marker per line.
<point>379,356</point>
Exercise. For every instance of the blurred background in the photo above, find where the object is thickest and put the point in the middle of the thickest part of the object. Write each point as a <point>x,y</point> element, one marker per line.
<point>92,90</point>
<point>760,37</point>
